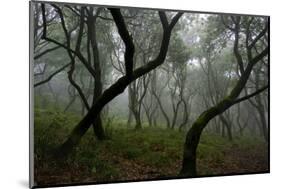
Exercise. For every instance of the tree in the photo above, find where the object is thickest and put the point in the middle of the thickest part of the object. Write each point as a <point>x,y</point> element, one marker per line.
<point>119,86</point>
<point>258,103</point>
<point>158,94</point>
<point>92,50</point>
<point>150,104</point>
<point>194,133</point>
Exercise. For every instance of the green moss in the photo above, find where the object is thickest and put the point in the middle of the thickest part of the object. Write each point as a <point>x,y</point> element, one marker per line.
<point>154,148</point>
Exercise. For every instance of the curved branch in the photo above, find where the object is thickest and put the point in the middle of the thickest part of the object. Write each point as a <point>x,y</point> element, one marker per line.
<point>250,95</point>
<point>52,75</point>
<point>66,47</point>
<point>163,19</point>
<point>127,39</point>
<point>114,90</point>
<point>175,20</point>
<point>47,51</point>
<point>261,34</point>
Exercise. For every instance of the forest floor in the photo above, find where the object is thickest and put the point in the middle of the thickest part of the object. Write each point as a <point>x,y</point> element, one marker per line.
<point>149,153</point>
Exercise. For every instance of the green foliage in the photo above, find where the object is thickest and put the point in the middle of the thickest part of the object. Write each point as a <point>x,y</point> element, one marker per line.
<point>248,142</point>
<point>200,64</point>
<point>157,159</point>
<point>211,148</point>
<point>132,153</point>
<point>148,149</point>
<point>108,129</point>
<point>50,129</point>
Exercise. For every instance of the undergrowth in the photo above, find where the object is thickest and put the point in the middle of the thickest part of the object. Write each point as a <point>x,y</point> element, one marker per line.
<point>127,154</point>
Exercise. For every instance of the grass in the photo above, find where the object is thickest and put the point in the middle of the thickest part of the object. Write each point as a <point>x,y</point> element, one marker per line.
<point>129,154</point>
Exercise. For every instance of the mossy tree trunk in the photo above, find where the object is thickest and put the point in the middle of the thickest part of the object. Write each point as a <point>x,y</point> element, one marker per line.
<point>121,84</point>
<point>189,168</point>
<point>194,134</point>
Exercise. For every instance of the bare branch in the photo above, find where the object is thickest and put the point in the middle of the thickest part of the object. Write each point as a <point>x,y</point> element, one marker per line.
<point>261,34</point>
<point>47,51</point>
<point>163,19</point>
<point>175,20</point>
<point>250,95</point>
<point>52,75</point>
<point>66,47</point>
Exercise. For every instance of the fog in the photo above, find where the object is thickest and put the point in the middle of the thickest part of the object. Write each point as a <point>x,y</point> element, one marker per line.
<point>137,69</point>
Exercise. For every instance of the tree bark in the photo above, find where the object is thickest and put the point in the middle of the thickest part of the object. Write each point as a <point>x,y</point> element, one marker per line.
<point>163,110</point>
<point>120,85</point>
<point>193,135</point>
<point>227,126</point>
<point>97,126</point>
<point>130,116</point>
<point>261,112</point>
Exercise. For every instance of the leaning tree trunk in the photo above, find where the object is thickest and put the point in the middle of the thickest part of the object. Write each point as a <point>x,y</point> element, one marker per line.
<point>193,138</point>
<point>119,86</point>
<point>194,134</point>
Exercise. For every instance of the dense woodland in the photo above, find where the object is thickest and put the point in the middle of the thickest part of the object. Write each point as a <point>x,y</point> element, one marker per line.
<point>135,94</point>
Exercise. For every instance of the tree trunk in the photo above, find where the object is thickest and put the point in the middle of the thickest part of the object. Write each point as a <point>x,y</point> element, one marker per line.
<point>138,120</point>
<point>134,104</point>
<point>129,122</point>
<point>185,116</point>
<point>193,135</point>
<point>175,111</point>
<point>129,107</point>
<point>148,115</point>
<point>80,129</point>
<point>162,110</point>
<point>97,126</point>
<point>262,120</point>
<point>190,147</point>
<point>193,138</point>
<point>120,85</point>
<point>227,125</point>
